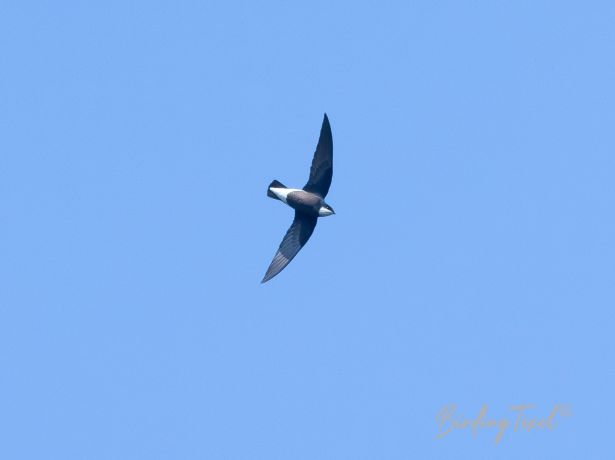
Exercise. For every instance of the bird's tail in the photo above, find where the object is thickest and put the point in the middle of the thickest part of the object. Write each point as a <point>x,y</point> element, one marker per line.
<point>276,184</point>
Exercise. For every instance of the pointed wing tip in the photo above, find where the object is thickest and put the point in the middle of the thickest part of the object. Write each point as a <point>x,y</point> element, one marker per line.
<point>267,277</point>
<point>326,126</point>
<point>270,274</point>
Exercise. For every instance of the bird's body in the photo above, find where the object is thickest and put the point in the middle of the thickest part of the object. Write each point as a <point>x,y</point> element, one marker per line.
<point>300,200</point>
<point>308,203</point>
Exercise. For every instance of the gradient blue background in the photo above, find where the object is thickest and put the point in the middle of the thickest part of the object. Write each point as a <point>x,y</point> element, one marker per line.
<point>471,260</point>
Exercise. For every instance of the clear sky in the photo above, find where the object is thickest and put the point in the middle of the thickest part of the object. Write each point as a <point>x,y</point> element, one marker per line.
<point>470,262</point>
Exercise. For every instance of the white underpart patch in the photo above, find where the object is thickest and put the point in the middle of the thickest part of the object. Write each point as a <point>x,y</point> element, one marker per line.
<point>282,193</point>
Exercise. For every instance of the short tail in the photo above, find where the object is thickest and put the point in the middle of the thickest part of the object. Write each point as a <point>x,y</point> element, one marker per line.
<point>276,184</point>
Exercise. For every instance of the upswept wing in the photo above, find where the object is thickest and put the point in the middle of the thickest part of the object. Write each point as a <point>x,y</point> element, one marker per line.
<point>321,172</point>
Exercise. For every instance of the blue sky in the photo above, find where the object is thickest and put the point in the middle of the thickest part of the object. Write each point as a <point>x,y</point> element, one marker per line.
<point>470,262</point>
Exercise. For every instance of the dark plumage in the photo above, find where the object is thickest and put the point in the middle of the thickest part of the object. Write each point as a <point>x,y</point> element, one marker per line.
<point>309,203</point>
<point>297,235</point>
<point>321,172</point>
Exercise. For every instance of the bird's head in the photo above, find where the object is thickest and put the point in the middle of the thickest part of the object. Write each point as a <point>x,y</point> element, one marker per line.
<point>325,210</point>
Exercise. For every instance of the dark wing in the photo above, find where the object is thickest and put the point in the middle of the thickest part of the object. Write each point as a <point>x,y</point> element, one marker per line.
<point>322,164</point>
<point>295,238</point>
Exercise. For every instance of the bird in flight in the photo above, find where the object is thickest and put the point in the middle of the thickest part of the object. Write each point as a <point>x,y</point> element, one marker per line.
<point>308,203</point>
